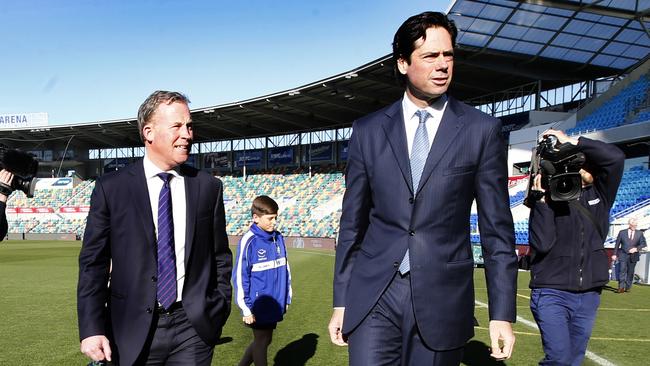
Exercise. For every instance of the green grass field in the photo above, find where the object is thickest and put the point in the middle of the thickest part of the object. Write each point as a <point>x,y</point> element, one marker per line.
<point>38,324</point>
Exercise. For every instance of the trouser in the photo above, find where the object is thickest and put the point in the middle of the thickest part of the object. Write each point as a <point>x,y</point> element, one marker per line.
<point>565,321</point>
<point>175,342</point>
<point>389,334</point>
<point>626,272</point>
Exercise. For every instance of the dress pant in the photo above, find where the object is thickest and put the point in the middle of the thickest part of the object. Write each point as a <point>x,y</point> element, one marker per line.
<point>389,334</point>
<point>565,320</point>
<point>174,342</point>
<point>626,271</point>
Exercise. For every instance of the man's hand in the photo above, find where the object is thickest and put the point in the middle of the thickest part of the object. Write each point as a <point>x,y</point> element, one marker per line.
<point>614,257</point>
<point>5,177</point>
<point>249,319</point>
<point>633,250</point>
<point>501,332</point>
<point>96,347</point>
<point>336,323</point>
<point>537,186</point>
<point>561,136</point>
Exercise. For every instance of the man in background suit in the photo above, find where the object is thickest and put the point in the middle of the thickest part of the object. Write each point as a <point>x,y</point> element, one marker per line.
<point>403,282</point>
<point>169,267</point>
<point>628,244</point>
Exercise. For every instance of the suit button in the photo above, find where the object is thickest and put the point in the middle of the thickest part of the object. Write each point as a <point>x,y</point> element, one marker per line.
<point>154,279</point>
<point>411,232</point>
<point>395,264</point>
<point>411,200</point>
<point>149,311</point>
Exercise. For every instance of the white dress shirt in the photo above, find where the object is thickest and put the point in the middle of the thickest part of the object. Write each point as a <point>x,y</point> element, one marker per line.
<point>177,187</point>
<point>411,121</point>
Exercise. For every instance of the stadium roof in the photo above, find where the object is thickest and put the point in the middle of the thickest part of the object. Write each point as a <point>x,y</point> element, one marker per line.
<point>502,44</point>
<point>608,33</point>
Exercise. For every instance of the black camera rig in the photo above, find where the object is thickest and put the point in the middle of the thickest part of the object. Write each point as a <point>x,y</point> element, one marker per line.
<point>24,168</point>
<point>559,164</point>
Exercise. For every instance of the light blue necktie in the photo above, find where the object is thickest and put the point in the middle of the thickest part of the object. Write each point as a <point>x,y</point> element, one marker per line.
<point>419,153</point>
<point>166,290</point>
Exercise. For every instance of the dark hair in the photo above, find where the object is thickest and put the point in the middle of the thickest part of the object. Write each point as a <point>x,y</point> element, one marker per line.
<point>149,106</point>
<point>415,28</point>
<point>264,205</point>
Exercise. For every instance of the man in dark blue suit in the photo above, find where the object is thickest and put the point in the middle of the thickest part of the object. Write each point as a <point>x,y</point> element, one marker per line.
<point>628,244</point>
<point>403,282</point>
<point>154,268</point>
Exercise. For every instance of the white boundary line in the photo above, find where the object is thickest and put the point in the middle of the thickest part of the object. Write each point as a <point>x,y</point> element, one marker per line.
<point>590,355</point>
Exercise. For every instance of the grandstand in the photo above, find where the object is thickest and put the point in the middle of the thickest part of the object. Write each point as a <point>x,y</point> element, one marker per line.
<point>565,65</point>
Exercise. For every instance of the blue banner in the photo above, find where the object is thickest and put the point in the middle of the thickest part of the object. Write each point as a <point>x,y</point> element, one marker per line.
<point>115,164</point>
<point>320,152</point>
<point>343,150</point>
<point>281,155</point>
<point>251,158</point>
<point>216,160</point>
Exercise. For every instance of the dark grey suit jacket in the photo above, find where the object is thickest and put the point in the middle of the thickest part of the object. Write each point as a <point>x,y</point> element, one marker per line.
<point>120,230</point>
<point>382,217</point>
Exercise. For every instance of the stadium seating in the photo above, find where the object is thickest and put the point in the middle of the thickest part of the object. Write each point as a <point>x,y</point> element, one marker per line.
<point>623,108</point>
<point>310,206</point>
<point>634,189</point>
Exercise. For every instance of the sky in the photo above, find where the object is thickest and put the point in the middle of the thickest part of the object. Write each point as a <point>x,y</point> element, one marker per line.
<point>88,61</point>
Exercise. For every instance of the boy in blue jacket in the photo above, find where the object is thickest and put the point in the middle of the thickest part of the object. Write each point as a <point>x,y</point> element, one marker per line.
<point>262,279</point>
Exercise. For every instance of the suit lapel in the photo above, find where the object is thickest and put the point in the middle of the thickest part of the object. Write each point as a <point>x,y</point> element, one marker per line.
<point>450,124</point>
<point>140,198</point>
<point>396,134</point>
<point>191,203</point>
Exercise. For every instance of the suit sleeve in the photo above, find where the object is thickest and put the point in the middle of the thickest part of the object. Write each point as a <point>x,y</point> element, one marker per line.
<point>642,242</point>
<point>496,227</point>
<point>94,264</point>
<point>4,226</point>
<point>354,218</point>
<point>619,242</point>
<point>222,253</point>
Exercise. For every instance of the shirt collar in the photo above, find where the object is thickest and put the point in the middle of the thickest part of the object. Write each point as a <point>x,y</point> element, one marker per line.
<point>435,109</point>
<point>151,170</point>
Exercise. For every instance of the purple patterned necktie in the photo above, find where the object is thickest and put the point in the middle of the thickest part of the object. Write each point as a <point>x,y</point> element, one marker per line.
<point>166,257</point>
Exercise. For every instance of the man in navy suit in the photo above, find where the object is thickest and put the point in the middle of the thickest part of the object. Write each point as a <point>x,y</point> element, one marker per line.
<point>628,244</point>
<point>134,242</point>
<point>403,282</point>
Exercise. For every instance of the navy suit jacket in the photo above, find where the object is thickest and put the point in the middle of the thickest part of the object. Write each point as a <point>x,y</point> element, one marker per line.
<point>624,244</point>
<point>382,217</point>
<point>120,229</point>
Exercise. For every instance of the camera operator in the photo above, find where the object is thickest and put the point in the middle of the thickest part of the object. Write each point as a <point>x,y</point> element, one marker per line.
<point>6,178</point>
<point>569,263</point>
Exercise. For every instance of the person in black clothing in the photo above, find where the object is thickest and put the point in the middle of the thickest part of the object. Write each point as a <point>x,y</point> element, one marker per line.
<point>6,178</point>
<point>569,264</point>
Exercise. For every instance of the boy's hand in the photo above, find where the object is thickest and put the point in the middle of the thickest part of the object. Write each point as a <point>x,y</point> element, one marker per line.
<point>249,319</point>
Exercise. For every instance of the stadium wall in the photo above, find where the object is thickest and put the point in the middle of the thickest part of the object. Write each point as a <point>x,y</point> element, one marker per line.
<point>297,242</point>
<point>41,236</point>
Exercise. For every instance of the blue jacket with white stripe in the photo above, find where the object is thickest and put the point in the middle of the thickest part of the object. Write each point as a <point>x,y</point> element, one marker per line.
<point>262,278</point>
